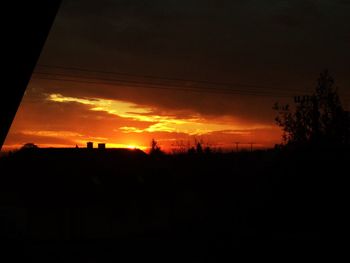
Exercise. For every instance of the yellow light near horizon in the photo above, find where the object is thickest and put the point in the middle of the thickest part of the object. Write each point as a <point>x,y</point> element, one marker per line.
<point>132,147</point>
<point>128,146</point>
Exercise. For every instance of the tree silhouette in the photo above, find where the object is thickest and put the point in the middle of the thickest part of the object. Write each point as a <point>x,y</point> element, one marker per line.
<point>155,148</point>
<point>316,119</point>
<point>199,148</point>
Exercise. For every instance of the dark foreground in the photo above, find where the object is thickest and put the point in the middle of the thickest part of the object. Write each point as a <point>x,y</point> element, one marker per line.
<point>105,206</point>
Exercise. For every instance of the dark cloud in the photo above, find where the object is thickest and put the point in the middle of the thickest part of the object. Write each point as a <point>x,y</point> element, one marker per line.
<point>283,44</point>
<point>246,109</point>
<point>230,40</point>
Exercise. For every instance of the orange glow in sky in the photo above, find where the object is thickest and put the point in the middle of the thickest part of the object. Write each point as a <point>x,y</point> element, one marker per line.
<point>56,120</point>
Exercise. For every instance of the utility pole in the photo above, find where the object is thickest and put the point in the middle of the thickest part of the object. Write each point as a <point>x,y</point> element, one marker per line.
<point>236,146</point>
<point>251,146</point>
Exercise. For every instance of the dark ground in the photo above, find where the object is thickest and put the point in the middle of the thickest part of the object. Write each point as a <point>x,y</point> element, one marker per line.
<point>103,206</point>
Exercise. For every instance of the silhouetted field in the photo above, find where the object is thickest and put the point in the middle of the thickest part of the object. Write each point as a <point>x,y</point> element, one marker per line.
<point>101,206</point>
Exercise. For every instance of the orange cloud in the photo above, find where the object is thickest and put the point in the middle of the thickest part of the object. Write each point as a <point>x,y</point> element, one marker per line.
<point>193,124</point>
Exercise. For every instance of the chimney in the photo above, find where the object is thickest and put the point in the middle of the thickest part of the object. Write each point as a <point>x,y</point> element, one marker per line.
<point>90,145</point>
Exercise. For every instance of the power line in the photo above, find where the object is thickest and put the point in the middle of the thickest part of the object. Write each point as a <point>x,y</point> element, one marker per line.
<point>159,84</point>
<point>186,81</point>
<point>147,86</point>
<point>225,88</point>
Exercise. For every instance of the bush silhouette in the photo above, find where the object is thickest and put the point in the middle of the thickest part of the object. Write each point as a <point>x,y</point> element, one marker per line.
<point>29,146</point>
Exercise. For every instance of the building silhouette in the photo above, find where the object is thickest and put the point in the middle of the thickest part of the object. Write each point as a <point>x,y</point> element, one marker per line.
<point>101,146</point>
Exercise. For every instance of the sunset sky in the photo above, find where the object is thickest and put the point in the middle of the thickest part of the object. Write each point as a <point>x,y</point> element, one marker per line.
<point>124,72</point>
